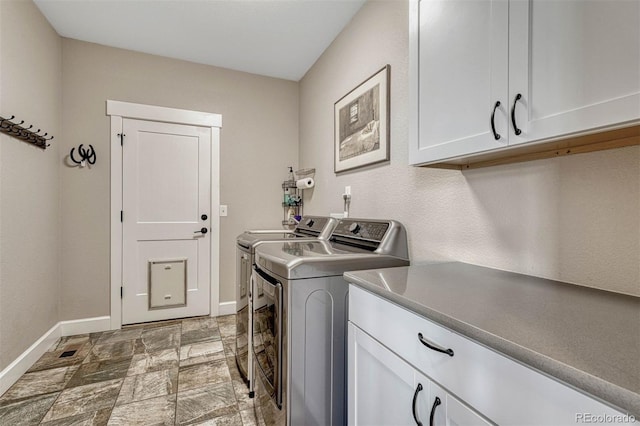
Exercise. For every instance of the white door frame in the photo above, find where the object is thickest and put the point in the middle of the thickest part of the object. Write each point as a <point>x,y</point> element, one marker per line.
<point>117,111</point>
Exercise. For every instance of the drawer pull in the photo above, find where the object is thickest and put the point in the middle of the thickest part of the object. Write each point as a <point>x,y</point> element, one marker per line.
<point>433,346</point>
<point>513,115</point>
<point>413,406</point>
<point>493,121</point>
<point>433,410</point>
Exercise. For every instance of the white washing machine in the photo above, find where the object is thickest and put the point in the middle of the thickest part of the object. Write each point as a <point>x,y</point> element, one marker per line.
<point>300,321</point>
<point>310,228</point>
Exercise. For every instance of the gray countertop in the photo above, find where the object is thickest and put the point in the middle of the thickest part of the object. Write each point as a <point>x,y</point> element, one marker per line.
<point>585,337</point>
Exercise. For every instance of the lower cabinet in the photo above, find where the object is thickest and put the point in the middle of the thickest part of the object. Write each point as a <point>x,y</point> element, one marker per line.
<point>404,369</point>
<point>385,390</point>
<point>380,385</point>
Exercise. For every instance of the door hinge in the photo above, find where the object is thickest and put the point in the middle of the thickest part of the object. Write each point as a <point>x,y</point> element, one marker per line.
<point>121,292</point>
<point>121,215</point>
<point>121,136</point>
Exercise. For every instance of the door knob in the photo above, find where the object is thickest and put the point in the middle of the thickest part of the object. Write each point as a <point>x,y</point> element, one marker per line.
<point>204,217</point>
<point>202,231</point>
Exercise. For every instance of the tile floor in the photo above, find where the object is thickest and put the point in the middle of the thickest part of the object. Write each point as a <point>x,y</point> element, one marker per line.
<point>180,372</point>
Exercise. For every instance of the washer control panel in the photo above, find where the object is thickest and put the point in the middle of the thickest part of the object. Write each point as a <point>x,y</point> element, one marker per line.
<point>361,229</point>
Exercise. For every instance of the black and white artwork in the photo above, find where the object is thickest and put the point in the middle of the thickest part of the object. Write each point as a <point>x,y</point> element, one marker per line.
<point>362,124</point>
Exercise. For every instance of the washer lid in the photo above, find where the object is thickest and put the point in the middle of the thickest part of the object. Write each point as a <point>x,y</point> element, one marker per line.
<point>313,259</point>
<point>249,241</point>
<point>309,227</point>
<point>354,244</point>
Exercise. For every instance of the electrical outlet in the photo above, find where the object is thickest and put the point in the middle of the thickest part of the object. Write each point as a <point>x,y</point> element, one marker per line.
<point>223,210</point>
<point>347,190</point>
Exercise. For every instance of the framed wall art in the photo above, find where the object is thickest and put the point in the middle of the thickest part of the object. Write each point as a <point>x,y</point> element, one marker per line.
<point>361,124</point>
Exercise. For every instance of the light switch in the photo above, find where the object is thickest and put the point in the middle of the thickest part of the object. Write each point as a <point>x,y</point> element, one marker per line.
<point>223,210</point>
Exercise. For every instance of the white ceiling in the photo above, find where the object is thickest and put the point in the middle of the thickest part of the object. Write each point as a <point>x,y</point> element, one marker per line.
<point>276,38</point>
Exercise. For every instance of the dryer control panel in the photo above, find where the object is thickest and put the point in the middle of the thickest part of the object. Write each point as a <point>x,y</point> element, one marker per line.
<point>315,226</point>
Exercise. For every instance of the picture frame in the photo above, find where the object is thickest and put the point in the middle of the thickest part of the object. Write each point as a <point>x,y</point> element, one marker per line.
<point>361,124</point>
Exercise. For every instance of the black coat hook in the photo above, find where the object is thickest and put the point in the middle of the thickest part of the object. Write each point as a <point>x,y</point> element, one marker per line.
<point>21,131</point>
<point>6,123</point>
<point>86,155</point>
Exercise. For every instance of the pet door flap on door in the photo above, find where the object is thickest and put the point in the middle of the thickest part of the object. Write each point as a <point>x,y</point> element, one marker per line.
<point>167,283</point>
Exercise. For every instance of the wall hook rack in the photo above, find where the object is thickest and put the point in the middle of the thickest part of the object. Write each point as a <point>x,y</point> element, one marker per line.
<point>86,155</point>
<point>17,130</point>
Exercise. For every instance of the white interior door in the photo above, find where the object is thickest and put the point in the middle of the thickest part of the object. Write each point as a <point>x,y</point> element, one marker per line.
<point>166,198</point>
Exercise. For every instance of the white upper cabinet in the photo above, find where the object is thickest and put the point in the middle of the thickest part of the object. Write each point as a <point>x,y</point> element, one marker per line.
<point>461,64</point>
<point>556,67</point>
<point>576,64</point>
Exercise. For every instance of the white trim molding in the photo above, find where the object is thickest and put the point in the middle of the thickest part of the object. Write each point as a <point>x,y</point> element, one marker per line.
<point>86,325</point>
<point>118,110</point>
<point>226,308</point>
<point>116,225</point>
<point>214,293</point>
<point>25,360</point>
<point>167,115</point>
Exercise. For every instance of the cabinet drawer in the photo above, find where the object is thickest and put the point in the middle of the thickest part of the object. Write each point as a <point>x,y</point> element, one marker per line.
<point>503,390</point>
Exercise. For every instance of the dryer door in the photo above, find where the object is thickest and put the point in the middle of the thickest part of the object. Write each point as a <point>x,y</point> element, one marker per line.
<point>267,334</point>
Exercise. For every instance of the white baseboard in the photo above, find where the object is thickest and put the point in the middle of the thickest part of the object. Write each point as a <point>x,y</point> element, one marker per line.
<point>85,325</point>
<point>226,308</point>
<point>20,365</point>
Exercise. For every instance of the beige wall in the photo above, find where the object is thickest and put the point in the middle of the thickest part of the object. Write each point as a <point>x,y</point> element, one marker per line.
<point>259,139</point>
<point>30,76</point>
<point>574,219</point>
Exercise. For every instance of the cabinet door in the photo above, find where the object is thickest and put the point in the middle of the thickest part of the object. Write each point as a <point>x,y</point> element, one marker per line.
<point>459,70</point>
<point>422,399</point>
<point>449,411</point>
<point>576,65</point>
<point>381,385</point>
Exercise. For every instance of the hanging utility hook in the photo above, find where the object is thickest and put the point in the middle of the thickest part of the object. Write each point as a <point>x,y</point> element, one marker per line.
<point>86,155</point>
<point>20,130</point>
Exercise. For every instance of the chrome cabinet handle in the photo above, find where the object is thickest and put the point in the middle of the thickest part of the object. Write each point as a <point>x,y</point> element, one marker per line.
<point>413,406</point>
<point>513,114</point>
<point>433,410</point>
<point>433,346</point>
<point>493,121</point>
